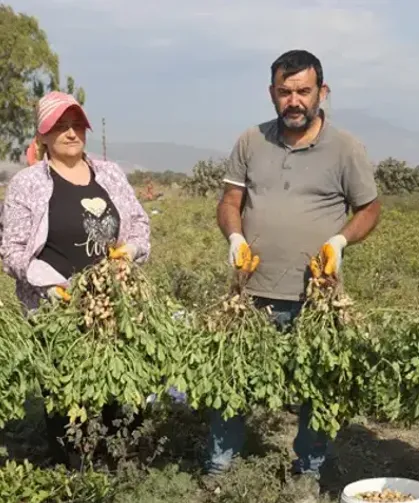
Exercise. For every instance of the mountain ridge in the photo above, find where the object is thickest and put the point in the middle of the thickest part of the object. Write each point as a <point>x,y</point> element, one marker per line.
<point>382,139</point>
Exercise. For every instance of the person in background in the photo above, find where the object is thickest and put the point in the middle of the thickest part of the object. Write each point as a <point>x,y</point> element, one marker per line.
<point>288,187</point>
<point>65,212</point>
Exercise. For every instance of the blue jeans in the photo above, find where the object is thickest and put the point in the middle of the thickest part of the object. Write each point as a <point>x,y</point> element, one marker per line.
<point>226,438</point>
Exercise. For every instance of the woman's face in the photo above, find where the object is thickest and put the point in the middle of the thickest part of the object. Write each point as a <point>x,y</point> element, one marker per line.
<point>68,137</point>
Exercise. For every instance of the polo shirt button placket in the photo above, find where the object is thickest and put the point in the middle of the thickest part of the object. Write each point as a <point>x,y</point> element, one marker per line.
<point>287,167</point>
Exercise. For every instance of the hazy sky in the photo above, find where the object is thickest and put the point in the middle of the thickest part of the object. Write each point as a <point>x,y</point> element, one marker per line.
<point>197,71</point>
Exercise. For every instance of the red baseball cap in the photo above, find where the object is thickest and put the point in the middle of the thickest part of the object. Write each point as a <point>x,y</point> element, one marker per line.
<point>52,106</point>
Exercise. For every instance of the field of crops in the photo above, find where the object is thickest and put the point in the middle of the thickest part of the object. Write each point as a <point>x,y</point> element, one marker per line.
<point>175,327</point>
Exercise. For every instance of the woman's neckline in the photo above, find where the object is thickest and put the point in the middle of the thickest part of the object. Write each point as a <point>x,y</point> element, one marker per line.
<point>61,177</point>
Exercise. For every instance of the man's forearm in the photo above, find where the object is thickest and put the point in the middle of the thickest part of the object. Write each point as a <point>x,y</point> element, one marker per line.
<point>229,219</point>
<point>362,223</point>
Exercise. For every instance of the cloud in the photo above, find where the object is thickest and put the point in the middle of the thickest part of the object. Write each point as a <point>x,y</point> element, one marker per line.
<point>177,59</point>
<point>350,36</point>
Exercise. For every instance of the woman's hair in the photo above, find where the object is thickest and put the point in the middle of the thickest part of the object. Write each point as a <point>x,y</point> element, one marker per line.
<point>36,151</point>
<point>40,149</point>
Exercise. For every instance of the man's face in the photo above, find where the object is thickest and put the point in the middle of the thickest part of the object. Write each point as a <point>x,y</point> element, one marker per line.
<point>297,99</point>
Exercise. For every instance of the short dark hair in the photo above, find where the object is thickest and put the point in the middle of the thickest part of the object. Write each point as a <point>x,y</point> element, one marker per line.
<point>296,61</point>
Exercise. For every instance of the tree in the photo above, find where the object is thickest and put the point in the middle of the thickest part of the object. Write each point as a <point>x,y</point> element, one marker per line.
<point>28,69</point>
<point>77,92</point>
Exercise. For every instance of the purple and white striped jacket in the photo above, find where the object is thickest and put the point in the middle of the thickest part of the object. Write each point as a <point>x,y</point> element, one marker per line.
<point>25,225</point>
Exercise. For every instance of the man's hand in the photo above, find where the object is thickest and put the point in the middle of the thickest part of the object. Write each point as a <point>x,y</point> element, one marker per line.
<point>126,251</point>
<point>331,254</point>
<point>240,254</point>
<point>59,293</point>
<point>239,250</point>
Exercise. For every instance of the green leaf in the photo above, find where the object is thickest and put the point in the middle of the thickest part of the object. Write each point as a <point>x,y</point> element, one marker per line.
<point>217,403</point>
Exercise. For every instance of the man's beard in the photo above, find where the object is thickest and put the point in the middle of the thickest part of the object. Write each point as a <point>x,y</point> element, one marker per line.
<point>301,124</point>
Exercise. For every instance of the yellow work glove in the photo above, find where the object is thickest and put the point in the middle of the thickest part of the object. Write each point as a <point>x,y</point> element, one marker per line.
<point>240,254</point>
<point>331,254</point>
<point>59,293</point>
<point>125,251</point>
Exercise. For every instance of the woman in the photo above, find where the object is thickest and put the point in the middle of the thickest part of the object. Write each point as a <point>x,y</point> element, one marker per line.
<point>64,213</point>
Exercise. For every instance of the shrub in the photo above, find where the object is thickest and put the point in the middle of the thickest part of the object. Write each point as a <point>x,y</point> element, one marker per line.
<point>396,177</point>
<point>207,178</point>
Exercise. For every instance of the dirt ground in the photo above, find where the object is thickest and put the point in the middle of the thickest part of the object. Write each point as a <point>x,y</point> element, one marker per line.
<point>363,451</point>
<point>360,451</point>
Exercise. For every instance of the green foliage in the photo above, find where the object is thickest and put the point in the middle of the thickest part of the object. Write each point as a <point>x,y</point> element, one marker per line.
<point>222,352</point>
<point>382,271</point>
<point>228,358</point>
<point>77,92</point>
<point>128,349</point>
<point>194,274</point>
<point>394,388</point>
<point>16,363</point>
<point>207,178</point>
<point>256,479</point>
<point>28,69</point>
<point>24,483</point>
<point>330,366</point>
<point>231,359</point>
<point>396,177</point>
<point>160,486</point>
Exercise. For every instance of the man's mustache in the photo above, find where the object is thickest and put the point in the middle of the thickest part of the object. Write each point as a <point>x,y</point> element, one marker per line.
<point>293,110</point>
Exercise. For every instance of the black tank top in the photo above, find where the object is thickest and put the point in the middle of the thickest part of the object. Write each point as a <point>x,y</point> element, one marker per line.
<point>83,223</point>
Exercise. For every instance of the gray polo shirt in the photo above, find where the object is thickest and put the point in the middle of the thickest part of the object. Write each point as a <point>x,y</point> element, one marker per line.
<point>296,199</point>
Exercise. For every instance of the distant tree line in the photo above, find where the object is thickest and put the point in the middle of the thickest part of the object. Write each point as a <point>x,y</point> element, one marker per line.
<point>166,178</point>
<point>393,177</point>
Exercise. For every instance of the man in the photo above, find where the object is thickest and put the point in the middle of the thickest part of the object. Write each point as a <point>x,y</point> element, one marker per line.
<point>288,189</point>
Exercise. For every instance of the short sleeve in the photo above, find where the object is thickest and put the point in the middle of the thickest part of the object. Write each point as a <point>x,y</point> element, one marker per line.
<point>236,172</point>
<point>358,180</point>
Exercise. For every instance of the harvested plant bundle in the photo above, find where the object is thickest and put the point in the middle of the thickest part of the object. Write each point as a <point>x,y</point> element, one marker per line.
<point>119,338</point>
<point>112,341</point>
<point>16,363</point>
<point>232,359</point>
<point>331,359</point>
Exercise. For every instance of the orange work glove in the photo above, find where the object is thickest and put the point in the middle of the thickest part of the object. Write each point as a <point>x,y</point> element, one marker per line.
<point>240,254</point>
<point>59,293</point>
<point>331,254</point>
<point>125,251</point>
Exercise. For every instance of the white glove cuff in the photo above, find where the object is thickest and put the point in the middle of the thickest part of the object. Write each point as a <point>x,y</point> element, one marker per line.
<point>131,250</point>
<point>235,236</point>
<point>339,241</point>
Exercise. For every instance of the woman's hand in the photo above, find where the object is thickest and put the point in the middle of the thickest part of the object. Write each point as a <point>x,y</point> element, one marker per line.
<point>125,251</point>
<point>59,292</point>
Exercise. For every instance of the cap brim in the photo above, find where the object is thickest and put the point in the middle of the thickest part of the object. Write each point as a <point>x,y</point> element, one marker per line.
<point>46,125</point>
